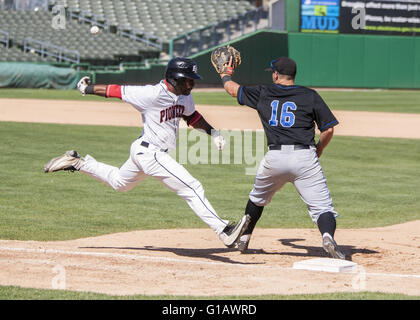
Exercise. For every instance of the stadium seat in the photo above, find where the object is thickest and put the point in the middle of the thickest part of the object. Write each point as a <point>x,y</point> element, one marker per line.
<point>98,49</point>
<point>161,18</point>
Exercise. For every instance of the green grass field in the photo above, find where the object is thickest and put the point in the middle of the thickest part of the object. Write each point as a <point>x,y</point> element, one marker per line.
<point>372,100</point>
<point>369,188</point>
<point>17,293</point>
<point>373,182</point>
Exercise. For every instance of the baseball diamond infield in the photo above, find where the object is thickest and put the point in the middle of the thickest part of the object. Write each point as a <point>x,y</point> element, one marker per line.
<point>193,261</point>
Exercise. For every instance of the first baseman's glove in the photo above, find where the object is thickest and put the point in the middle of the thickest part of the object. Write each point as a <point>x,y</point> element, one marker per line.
<point>83,84</point>
<point>221,57</point>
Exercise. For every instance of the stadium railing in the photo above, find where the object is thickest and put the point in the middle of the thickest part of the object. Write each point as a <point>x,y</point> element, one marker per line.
<point>137,35</point>
<point>48,49</point>
<point>4,38</point>
<point>89,19</point>
<point>210,36</point>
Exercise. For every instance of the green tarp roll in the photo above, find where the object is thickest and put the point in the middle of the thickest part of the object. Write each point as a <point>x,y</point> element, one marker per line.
<point>34,75</point>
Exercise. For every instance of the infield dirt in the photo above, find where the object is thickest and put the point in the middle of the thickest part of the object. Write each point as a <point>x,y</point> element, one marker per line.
<point>368,124</point>
<point>193,261</point>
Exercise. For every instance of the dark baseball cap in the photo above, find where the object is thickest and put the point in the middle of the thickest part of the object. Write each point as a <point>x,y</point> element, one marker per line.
<point>283,65</point>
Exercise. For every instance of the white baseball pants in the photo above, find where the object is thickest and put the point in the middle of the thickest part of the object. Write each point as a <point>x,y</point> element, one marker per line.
<point>151,161</point>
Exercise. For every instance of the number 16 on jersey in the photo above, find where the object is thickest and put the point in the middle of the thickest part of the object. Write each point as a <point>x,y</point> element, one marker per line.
<point>287,117</point>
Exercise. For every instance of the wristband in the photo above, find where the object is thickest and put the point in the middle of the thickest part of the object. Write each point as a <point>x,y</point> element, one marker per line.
<point>90,89</point>
<point>194,118</point>
<point>113,91</point>
<point>226,79</point>
<point>229,71</point>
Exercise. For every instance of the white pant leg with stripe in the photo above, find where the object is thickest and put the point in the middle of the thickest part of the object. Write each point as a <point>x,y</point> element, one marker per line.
<point>149,161</point>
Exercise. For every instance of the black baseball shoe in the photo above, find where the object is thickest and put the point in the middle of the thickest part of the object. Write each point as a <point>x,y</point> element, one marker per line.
<point>70,161</point>
<point>233,232</point>
<point>331,247</point>
<point>243,243</point>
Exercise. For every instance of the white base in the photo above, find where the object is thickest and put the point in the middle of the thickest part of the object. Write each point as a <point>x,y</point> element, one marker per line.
<point>326,264</point>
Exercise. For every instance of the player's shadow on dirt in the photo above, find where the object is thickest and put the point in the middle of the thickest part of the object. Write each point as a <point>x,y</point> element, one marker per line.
<point>349,251</point>
<point>210,253</point>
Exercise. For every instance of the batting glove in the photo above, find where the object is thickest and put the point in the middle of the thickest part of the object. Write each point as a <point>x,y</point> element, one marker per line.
<point>220,142</point>
<point>83,84</point>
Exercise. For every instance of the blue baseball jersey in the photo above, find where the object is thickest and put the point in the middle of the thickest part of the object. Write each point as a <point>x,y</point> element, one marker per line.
<point>288,113</point>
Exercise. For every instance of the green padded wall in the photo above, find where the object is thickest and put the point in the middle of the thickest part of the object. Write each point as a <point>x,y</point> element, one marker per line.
<point>148,75</point>
<point>365,61</point>
<point>324,60</point>
<point>416,65</point>
<point>349,72</point>
<point>401,62</point>
<point>256,51</point>
<point>292,15</point>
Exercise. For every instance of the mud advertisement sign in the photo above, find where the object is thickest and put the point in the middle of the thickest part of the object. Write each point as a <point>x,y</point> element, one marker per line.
<point>361,17</point>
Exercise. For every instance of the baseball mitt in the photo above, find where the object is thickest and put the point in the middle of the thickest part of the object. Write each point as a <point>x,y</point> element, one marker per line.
<point>220,58</point>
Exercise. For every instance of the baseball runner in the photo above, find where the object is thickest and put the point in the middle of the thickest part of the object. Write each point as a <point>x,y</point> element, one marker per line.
<point>288,113</point>
<point>162,106</point>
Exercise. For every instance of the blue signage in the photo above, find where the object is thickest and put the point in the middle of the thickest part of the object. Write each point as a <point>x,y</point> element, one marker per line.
<point>320,16</point>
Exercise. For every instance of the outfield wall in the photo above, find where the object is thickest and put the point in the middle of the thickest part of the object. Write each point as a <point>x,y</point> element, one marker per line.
<point>324,60</point>
<point>150,74</point>
<point>365,61</point>
<point>256,51</point>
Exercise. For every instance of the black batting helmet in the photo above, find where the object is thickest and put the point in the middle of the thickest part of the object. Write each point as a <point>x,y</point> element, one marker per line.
<point>181,68</point>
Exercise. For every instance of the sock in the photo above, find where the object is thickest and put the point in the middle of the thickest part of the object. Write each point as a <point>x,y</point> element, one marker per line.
<point>326,223</point>
<point>255,213</point>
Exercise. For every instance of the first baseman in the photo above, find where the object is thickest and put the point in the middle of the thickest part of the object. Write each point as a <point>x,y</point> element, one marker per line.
<point>288,113</point>
<point>162,106</point>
